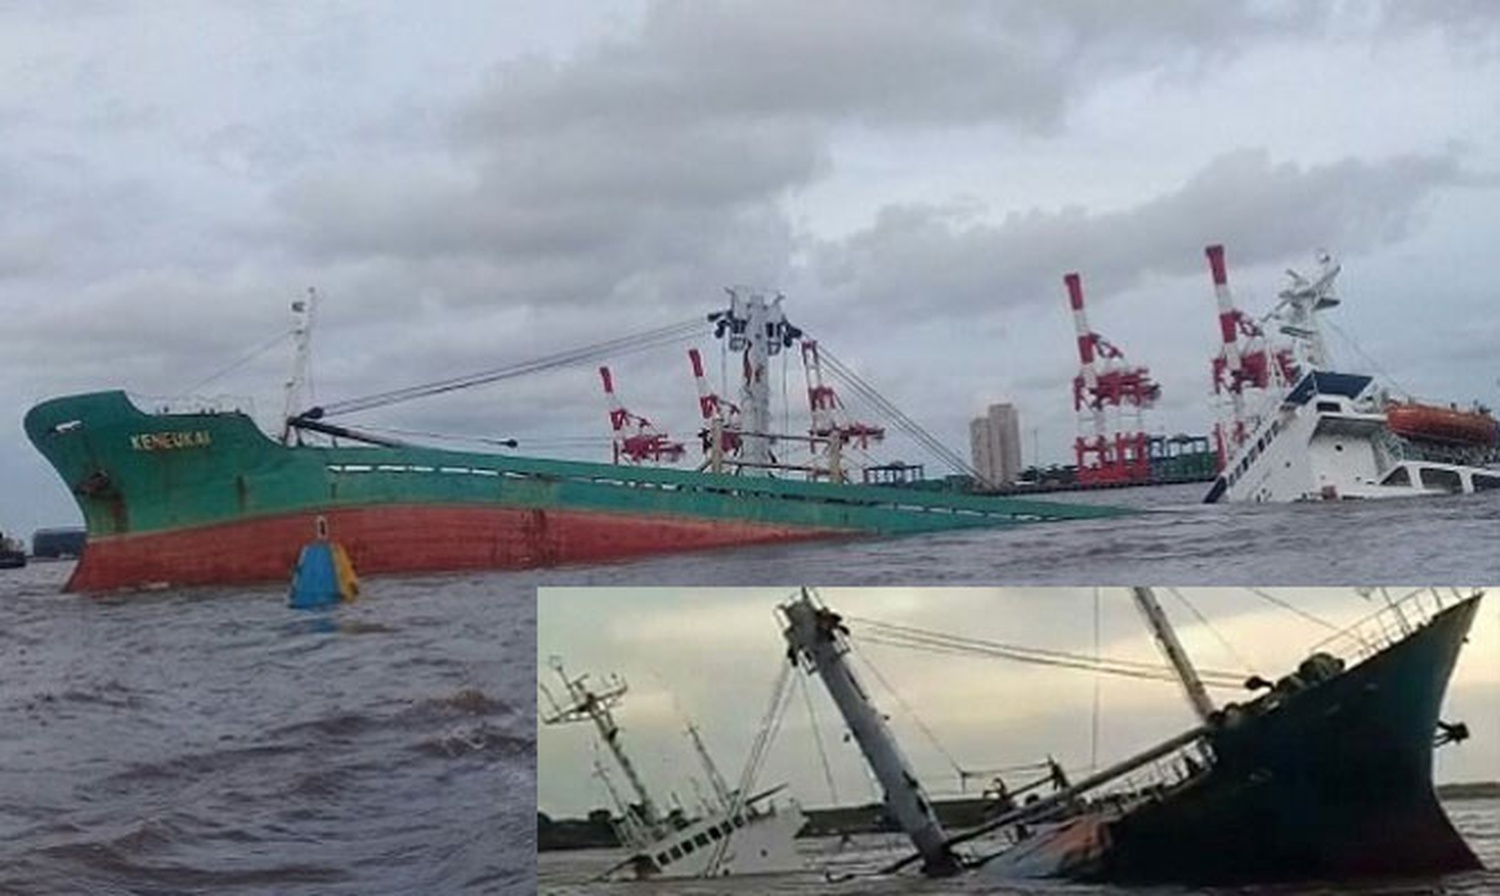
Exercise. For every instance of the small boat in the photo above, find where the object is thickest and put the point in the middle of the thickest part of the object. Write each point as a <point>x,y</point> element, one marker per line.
<point>1300,430</point>
<point>12,553</point>
<point>1326,775</point>
<point>733,834</point>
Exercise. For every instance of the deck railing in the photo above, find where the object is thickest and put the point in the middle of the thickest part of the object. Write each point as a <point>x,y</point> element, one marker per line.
<point>1391,623</point>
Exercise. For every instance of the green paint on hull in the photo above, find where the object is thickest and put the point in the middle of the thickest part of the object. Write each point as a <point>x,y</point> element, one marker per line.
<point>134,473</point>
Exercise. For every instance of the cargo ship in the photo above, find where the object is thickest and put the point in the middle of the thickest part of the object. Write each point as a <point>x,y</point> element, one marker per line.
<point>1326,775</point>
<point>204,496</point>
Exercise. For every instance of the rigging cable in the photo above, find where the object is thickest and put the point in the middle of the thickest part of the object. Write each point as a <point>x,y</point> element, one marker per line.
<point>1349,340</point>
<point>812,715</point>
<point>1094,726</point>
<point>917,639</point>
<point>769,725</point>
<point>1271,598</point>
<point>1213,631</point>
<point>256,353</point>
<point>899,418</point>
<point>921,726</point>
<point>593,352</point>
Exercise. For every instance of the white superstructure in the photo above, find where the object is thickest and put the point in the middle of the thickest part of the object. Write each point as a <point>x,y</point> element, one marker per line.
<point>735,834</point>
<point>1318,434</point>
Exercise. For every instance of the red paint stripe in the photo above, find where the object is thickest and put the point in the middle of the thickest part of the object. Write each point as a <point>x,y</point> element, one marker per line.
<point>1075,290</point>
<point>406,539</point>
<point>1215,255</point>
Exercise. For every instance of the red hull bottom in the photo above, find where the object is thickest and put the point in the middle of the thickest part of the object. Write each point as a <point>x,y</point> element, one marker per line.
<point>403,539</point>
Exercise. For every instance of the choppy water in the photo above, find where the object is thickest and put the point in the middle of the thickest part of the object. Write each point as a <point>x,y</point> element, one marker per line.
<point>572,873</point>
<point>217,741</point>
<point>1176,541</point>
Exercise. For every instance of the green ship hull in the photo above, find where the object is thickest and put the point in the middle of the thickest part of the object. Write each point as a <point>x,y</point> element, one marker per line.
<point>207,498</point>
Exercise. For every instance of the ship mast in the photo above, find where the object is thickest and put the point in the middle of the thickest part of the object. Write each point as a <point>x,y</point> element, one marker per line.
<point>760,330</point>
<point>816,636</point>
<point>1166,638</point>
<point>585,704</point>
<point>303,311</point>
<point>1298,309</point>
<point>715,780</point>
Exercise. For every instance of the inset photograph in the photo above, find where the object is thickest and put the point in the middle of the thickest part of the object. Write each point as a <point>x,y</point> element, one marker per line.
<point>872,740</point>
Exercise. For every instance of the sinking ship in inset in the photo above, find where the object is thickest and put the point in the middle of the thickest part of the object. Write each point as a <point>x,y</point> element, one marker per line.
<point>203,496</point>
<point>733,834</point>
<point>1296,429</point>
<point>1326,775</point>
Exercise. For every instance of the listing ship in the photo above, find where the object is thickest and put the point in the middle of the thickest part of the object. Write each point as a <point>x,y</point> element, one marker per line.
<point>1298,430</point>
<point>203,496</point>
<point>733,835</point>
<point>1325,776</point>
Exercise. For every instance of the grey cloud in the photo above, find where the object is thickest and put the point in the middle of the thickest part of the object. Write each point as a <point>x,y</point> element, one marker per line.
<point>956,265</point>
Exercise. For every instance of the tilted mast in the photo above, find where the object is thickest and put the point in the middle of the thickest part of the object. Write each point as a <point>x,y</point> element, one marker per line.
<point>587,705</point>
<point>1166,638</point>
<point>816,636</point>
<point>715,780</point>
<point>1299,305</point>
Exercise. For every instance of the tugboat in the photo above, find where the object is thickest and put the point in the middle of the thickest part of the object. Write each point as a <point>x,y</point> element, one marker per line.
<point>1326,775</point>
<point>12,553</point>
<point>737,834</point>
<point>1297,430</point>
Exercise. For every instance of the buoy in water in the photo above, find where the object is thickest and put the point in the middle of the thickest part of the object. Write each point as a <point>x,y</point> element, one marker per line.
<point>324,576</point>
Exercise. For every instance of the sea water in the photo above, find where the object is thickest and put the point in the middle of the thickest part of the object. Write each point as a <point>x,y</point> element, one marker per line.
<point>574,873</point>
<point>216,740</point>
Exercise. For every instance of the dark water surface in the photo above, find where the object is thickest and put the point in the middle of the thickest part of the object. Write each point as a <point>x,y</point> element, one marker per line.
<point>571,873</point>
<point>1175,541</point>
<point>215,741</point>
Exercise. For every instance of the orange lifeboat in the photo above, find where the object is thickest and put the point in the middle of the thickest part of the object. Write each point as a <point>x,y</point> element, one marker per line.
<point>1428,422</point>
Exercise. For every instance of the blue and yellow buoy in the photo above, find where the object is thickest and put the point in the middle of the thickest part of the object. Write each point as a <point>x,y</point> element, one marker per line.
<point>324,576</point>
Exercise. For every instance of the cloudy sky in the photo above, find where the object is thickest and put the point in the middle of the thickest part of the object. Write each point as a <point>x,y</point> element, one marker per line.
<point>712,656</point>
<point>473,184</point>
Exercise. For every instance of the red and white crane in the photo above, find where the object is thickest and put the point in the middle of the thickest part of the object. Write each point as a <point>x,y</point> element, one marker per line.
<point>719,416</point>
<point>1245,361</point>
<point>636,440</point>
<point>1106,390</point>
<point>827,410</point>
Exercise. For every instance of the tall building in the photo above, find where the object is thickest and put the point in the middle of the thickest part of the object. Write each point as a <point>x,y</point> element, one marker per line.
<point>995,444</point>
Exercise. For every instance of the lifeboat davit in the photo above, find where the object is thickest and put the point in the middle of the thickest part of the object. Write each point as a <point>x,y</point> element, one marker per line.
<point>1435,423</point>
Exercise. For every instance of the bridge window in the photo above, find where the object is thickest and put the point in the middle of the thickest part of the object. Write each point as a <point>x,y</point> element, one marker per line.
<point>1483,483</point>
<point>1444,480</point>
